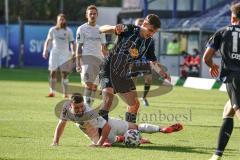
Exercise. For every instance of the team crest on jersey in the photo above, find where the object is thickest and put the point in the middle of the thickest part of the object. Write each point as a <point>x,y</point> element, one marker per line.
<point>134,52</point>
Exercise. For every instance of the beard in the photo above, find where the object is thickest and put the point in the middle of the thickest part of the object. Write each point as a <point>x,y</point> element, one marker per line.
<point>62,25</point>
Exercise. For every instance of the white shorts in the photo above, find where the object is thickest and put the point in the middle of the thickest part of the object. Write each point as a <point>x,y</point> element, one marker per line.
<point>90,69</point>
<point>118,127</point>
<point>60,59</point>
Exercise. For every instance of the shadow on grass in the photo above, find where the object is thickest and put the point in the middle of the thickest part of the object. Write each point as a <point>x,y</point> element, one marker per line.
<point>181,149</point>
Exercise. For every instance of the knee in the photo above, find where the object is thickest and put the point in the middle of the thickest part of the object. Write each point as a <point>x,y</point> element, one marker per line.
<point>107,99</point>
<point>228,112</point>
<point>148,81</point>
<point>53,74</point>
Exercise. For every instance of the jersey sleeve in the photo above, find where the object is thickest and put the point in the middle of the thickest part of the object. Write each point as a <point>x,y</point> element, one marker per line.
<point>101,122</point>
<point>215,41</point>
<point>150,54</point>
<point>80,35</point>
<point>128,29</point>
<point>70,36</point>
<point>50,34</point>
<point>103,38</point>
<point>63,115</point>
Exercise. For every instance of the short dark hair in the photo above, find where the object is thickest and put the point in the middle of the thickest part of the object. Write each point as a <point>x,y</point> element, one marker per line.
<point>235,9</point>
<point>154,20</point>
<point>91,7</point>
<point>77,98</point>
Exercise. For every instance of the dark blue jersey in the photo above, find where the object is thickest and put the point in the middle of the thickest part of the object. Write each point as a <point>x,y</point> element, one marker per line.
<point>129,47</point>
<point>131,43</point>
<point>227,41</point>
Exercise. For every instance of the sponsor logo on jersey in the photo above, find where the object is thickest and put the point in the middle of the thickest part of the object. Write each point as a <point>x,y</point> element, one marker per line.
<point>235,56</point>
<point>134,52</point>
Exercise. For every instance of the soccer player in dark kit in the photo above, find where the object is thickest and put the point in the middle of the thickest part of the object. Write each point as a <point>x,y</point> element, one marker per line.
<point>132,43</point>
<point>227,42</point>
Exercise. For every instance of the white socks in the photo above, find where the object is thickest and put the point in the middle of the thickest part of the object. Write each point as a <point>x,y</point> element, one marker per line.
<point>52,85</point>
<point>148,128</point>
<point>65,86</point>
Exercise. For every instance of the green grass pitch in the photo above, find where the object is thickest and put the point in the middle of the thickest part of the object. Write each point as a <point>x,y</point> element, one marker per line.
<point>27,124</point>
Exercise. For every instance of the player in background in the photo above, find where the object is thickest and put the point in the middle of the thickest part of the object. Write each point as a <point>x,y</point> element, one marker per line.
<point>76,109</point>
<point>133,42</point>
<point>90,51</point>
<point>148,75</point>
<point>226,40</point>
<point>60,55</point>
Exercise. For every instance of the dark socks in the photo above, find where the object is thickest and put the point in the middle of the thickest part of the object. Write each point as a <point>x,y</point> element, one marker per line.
<point>146,90</point>
<point>130,117</point>
<point>224,135</point>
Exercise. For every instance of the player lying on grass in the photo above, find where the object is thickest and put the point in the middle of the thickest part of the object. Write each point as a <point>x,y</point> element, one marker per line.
<point>75,110</point>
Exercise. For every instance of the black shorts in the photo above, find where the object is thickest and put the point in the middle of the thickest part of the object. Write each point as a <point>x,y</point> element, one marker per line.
<point>110,77</point>
<point>142,69</point>
<point>233,89</point>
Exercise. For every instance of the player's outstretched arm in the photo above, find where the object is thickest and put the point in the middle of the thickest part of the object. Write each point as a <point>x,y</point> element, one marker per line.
<point>207,58</point>
<point>119,28</point>
<point>159,68</point>
<point>107,29</point>
<point>105,131</point>
<point>58,132</point>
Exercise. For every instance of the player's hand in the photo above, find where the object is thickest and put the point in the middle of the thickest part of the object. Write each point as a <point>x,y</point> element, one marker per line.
<point>214,70</point>
<point>78,68</point>
<point>119,28</point>
<point>45,55</point>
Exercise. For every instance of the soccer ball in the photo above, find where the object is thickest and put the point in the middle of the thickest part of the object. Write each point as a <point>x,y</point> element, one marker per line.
<point>132,138</point>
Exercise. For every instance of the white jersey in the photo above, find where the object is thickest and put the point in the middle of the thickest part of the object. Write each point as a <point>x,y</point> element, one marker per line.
<point>89,127</point>
<point>91,39</point>
<point>60,38</point>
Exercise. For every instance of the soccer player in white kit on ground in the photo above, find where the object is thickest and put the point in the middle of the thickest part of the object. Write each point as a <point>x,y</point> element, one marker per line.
<point>81,114</point>
<point>60,55</point>
<point>90,51</point>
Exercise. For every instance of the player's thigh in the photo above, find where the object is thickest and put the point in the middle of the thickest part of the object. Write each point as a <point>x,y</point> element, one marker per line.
<point>148,78</point>
<point>118,127</point>
<point>66,66</point>
<point>134,80</point>
<point>107,96</point>
<point>228,111</point>
<point>53,61</point>
<point>129,97</point>
<point>233,89</point>
<point>87,74</point>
